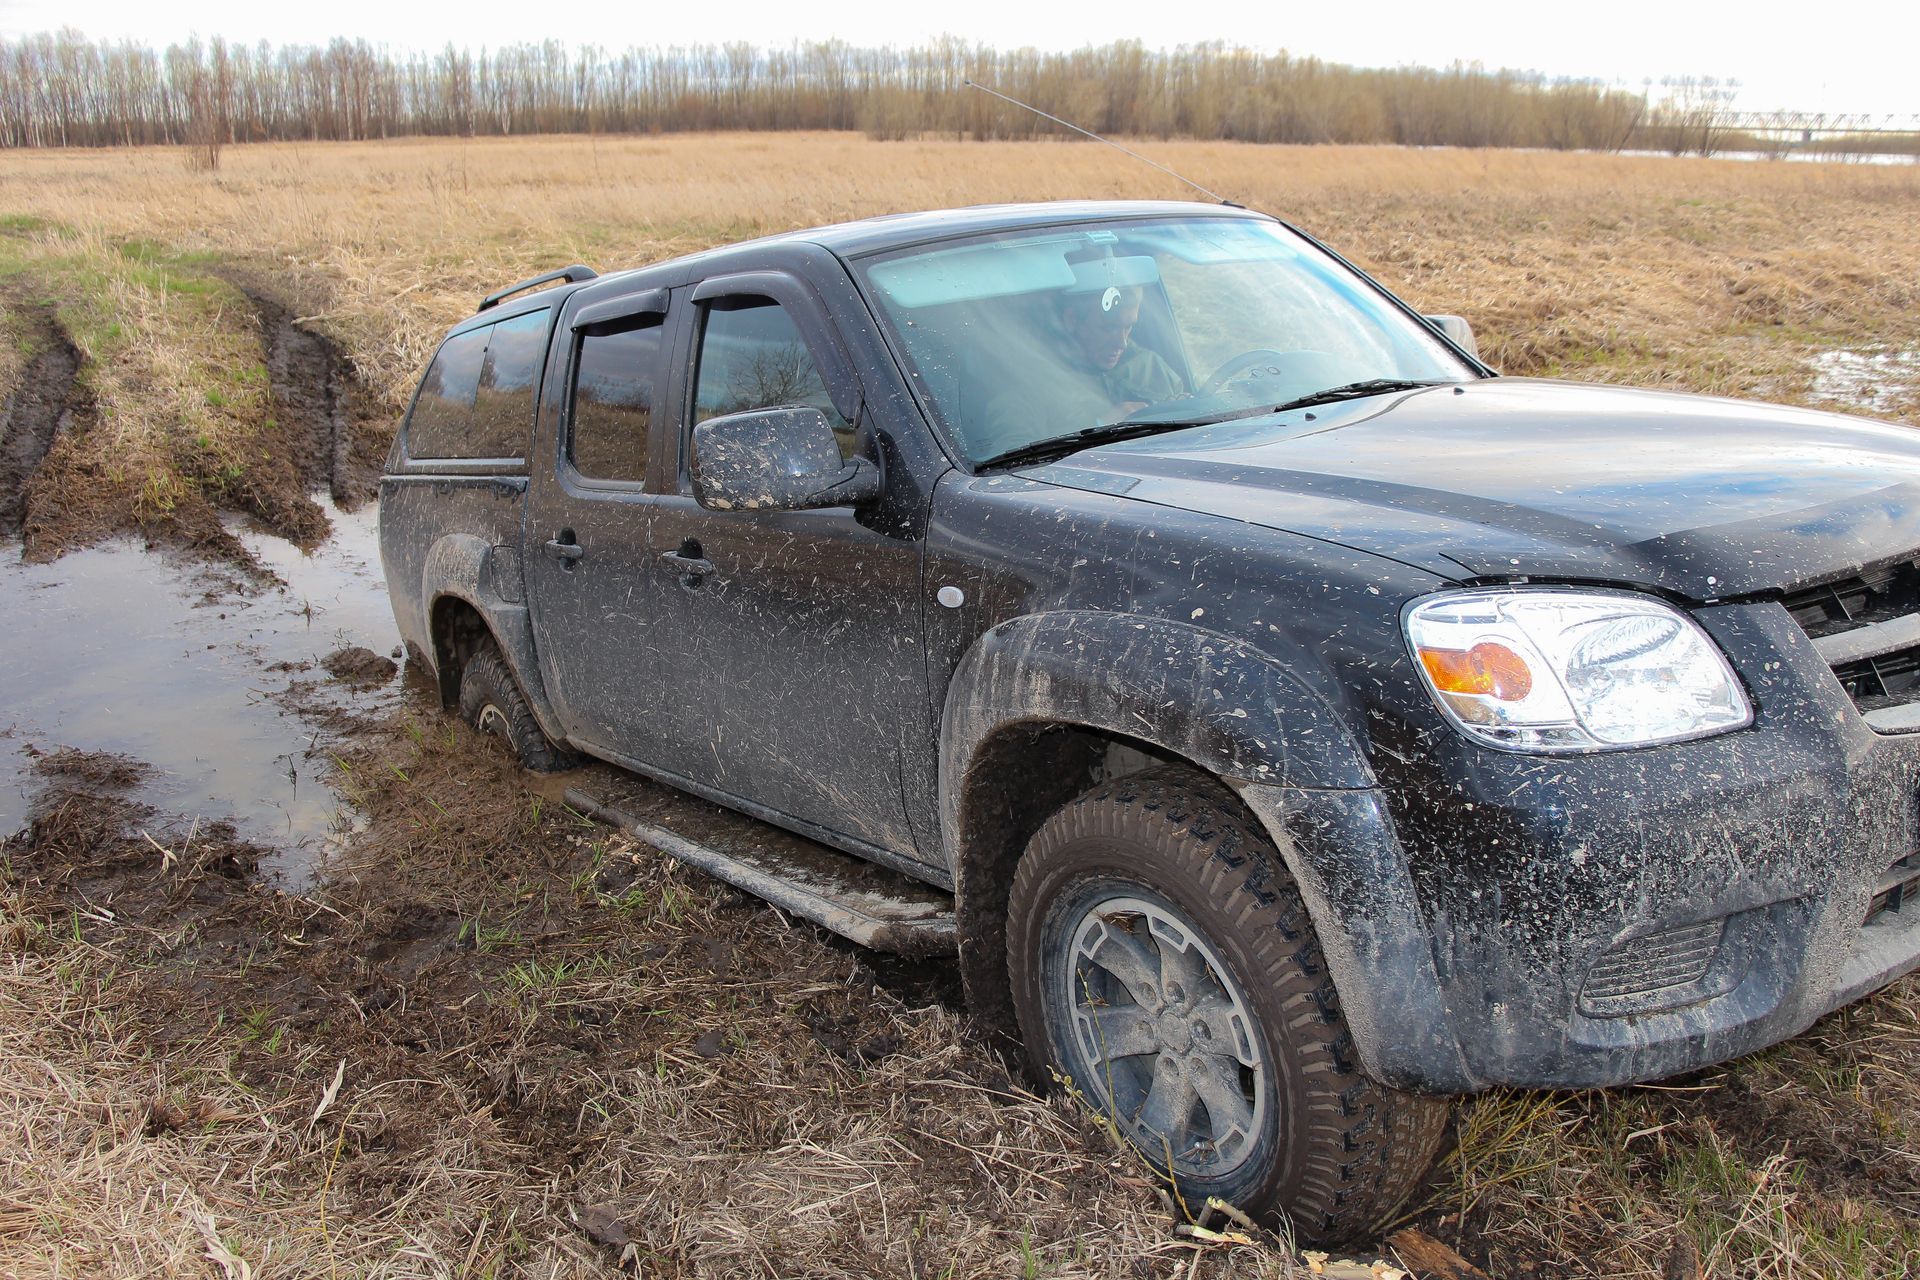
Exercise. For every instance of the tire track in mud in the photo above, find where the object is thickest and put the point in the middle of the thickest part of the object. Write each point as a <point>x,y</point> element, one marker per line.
<point>48,403</point>
<point>322,439</point>
<point>314,396</point>
<point>318,439</point>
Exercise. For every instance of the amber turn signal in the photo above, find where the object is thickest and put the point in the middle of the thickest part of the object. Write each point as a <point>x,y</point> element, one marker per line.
<point>1491,670</point>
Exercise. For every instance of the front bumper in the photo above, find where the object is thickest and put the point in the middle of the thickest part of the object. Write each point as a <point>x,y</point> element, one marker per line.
<point>1503,919</point>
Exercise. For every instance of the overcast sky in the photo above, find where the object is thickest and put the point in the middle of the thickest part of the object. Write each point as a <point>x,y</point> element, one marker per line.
<point>1784,55</point>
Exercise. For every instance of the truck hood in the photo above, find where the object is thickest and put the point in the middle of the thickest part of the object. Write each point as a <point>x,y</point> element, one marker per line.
<point>1508,477</point>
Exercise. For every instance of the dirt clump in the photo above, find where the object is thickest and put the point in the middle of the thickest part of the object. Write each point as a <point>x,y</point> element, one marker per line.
<point>49,402</point>
<point>105,770</point>
<point>358,665</point>
<point>86,839</point>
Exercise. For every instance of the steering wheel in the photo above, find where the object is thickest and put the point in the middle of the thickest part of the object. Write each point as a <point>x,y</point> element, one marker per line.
<point>1238,365</point>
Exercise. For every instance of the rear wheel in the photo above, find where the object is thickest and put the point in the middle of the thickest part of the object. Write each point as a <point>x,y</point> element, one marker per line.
<point>1162,960</point>
<point>490,701</point>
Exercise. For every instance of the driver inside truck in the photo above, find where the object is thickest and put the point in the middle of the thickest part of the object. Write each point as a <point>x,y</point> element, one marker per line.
<point>1086,369</point>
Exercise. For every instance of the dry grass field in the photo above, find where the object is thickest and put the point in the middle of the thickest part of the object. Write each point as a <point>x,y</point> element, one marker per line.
<point>1716,276</point>
<point>493,1041</point>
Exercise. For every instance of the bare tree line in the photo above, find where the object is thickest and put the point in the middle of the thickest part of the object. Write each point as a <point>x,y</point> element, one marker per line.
<point>62,89</point>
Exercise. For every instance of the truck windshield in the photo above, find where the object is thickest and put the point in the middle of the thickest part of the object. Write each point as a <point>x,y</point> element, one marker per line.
<point>1020,339</point>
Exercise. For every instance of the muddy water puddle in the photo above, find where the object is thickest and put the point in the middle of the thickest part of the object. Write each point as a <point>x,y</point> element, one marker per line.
<point>1872,382</point>
<point>219,688</point>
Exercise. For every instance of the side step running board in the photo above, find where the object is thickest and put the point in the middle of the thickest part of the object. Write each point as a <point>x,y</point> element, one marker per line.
<point>849,896</point>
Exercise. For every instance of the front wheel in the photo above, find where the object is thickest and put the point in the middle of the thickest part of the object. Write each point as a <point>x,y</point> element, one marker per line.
<point>1163,962</point>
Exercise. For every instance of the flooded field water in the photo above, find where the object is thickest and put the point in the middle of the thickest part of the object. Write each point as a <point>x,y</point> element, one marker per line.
<point>1870,382</point>
<point>219,689</point>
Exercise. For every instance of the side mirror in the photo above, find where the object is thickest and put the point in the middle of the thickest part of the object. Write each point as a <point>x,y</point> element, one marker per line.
<point>1458,331</point>
<point>776,460</point>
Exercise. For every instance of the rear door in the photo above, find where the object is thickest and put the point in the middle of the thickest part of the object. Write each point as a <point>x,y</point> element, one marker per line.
<point>589,560</point>
<point>788,643</point>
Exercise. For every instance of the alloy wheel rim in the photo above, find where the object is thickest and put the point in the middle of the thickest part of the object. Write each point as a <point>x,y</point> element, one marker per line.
<point>1165,1034</point>
<point>493,720</point>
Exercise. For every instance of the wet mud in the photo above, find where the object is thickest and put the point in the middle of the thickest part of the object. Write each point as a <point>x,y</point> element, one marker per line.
<point>48,402</point>
<point>320,446</point>
<point>357,665</point>
<point>316,446</point>
<point>85,814</point>
<point>319,398</point>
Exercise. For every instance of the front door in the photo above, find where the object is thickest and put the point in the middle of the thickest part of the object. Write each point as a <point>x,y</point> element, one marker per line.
<point>788,643</point>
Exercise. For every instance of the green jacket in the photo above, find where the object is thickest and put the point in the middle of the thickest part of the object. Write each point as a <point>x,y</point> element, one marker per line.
<point>1057,394</point>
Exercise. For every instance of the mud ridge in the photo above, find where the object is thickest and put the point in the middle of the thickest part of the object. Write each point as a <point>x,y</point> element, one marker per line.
<point>49,401</point>
<point>316,438</point>
<point>316,394</point>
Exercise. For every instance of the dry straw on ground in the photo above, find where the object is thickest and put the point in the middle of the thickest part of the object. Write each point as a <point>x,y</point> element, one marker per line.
<point>1671,270</point>
<point>498,1040</point>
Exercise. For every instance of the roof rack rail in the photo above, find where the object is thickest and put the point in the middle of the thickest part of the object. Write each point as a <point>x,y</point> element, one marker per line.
<point>572,275</point>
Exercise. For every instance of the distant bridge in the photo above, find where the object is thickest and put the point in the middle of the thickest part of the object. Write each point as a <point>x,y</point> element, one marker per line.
<point>1807,126</point>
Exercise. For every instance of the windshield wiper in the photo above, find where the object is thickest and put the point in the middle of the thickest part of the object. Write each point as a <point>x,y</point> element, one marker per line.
<point>1055,447</point>
<point>1355,390</point>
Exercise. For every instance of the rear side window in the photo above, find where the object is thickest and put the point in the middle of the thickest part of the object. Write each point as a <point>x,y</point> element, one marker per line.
<point>444,409</point>
<point>477,398</point>
<point>612,413</point>
<point>503,409</point>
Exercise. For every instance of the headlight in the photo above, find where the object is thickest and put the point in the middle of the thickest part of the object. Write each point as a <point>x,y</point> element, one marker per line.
<point>1544,669</point>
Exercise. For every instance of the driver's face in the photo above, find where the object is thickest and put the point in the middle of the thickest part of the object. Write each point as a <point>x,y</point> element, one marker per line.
<point>1101,336</point>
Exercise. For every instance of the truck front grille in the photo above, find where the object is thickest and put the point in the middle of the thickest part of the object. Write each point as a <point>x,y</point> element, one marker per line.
<point>1867,627</point>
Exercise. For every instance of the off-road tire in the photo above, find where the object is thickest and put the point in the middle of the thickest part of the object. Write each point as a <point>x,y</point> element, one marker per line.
<point>1339,1152</point>
<point>490,701</point>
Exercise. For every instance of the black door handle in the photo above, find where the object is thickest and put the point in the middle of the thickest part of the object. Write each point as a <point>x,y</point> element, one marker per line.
<point>565,550</point>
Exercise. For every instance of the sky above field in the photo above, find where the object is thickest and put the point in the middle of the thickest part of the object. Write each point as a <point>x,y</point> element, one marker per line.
<point>1783,55</point>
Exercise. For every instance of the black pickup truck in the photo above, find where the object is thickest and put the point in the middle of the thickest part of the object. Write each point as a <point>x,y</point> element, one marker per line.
<point>1289,723</point>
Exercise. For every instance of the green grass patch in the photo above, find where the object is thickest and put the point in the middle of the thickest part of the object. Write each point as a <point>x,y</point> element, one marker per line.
<point>22,224</point>
<point>154,253</point>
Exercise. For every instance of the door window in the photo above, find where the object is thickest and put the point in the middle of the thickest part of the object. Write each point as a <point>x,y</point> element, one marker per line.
<point>753,357</point>
<point>612,413</point>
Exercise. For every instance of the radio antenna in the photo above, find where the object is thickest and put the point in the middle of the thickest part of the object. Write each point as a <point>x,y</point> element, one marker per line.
<point>1068,124</point>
